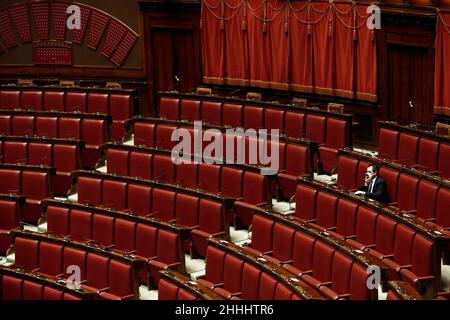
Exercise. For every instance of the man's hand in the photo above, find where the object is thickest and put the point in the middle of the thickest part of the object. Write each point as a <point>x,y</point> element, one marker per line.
<point>367,180</point>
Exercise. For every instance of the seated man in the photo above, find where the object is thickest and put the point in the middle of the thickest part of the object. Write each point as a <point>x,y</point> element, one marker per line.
<point>374,186</point>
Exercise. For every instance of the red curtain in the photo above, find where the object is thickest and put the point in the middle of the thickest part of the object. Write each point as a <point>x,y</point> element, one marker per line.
<point>213,41</point>
<point>366,58</point>
<point>442,65</point>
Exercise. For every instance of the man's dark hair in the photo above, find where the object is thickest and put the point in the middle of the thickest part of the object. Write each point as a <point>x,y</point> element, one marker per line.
<point>375,167</point>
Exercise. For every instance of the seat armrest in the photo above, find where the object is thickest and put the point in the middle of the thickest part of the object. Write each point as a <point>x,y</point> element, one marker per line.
<point>128,297</point>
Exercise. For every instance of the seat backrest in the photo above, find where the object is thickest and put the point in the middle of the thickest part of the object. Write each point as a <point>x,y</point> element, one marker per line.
<point>47,126</point>
<point>385,235</point>
<point>163,169</point>
<point>253,117</point>
<point>124,234</point>
<point>10,181</point>
<point>52,294</point>
<point>15,152</point>
<point>423,256</point>
<point>255,188</point>
<point>408,148</point>
<point>262,233</point>
<point>336,133</point>
<point>40,154</point>
<point>31,290</point>
<point>103,229</point>
<point>98,103</point>
<point>274,120</point>
<point>163,204</point>
<point>283,242</point>
<point>326,210</point>
<point>144,134</point>
<point>69,128</point>
<point>442,205</point>
<point>391,178</point>
<point>186,209</point>
<point>163,137</point>
<point>232,273</point>
<point>97,271</point>
<point>118,161</point>
<point>58,220</point>
<point>426,199</point>
<point>250,282</point>
<point>305,199</point>
<point>139,199</point>
<point>141,165</point>
<point>74,257</point>
<point>32,100</point>
<point>404,238</point>
<point>167,290</point>
<point>11,288</point>
<point>8,215</point>
<point>169,108</point>
<point>388,144</point>
<point>22,125</point>
<point>303,253</point>
<point>358,283</point>
<point>348,172</point>
<point>267,285</point>
<point>90,190</point>
<point>26,253</point>
<point>76,101</point>
<point>167,248</point>
<point>233,115</point>
<point>35,185</point>
<point>407,191</point>
<point>190,110</point>
<point>315,128</point>
<point>5,124</point>
<point>120,279</point>
<point>428,154</point>
<point>341,273</point>
<point>294,125</point>
<point>50,258</point>
<point>93,132</point>
<point>120,106</point>
<point>211,216</point>
<point>54,100</point>
<point>66,158</point>
<point>346,217</point>
<point>187,175</point>
<point>9,100</point>
<point>146,239</point>
<point>232,182</point>
<point>212,112</point>
<point>297,160</point>
<point>209,177</point>
<point>215,262</point>
<point>444,164</point>
<point>322,261</point>
<point>366,220</point>
<point>80,225</point>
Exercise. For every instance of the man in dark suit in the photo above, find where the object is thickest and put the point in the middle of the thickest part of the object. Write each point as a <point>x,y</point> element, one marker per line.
<point>374,186</point>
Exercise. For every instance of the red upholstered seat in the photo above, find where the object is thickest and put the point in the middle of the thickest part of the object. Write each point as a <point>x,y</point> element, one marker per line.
<point>186,210</point>
<point>69,128</point>
<point>442,205</point>
<point>253,117</point>
<point>426,199</point>
<point>428,154</point>
<point>118,161</point>
<point>326,210</point>
<point>315,128</point>
<point>209,177</point>
<point>322,262</point>
<point>407,192</point>
<point>262,234</point>
<point>52,294</point>
<point>22,125</point>
<point>305,208</point>
<point>214,267</point>
<point>358,283</point>
<point>146,239</point>
<point>114,194</point>
<point>274,120</point>
<point>444,163</point>
<point>190,110</point>
<point>58,220</point>
<point>5,124</point>
<point>32,291</point>
<point>212,112</point>
<point>232,273</point>
<point>267,285</point>
<point>408,149</point>
<point>47,126</point>
<point>10,181</point>
<point>50,258</point>
<point>422,261</point>
<point>250,282</point>
<point>294,125</point>
<point>185,295</point>
<point>36,187</point>
<point>74,257</point>
<point>40,154</point>
<point>341,273</point>
<point>9,100</point>
<point>366,220</point>
<point>163,169</point>
<point>385,235</point>
<point>167,290</point>
<point>187,175</point>
<point>90,190</point>
<point>346,218</point>
<point>283,243</point>
<point>76,101</point>
<point>139,199</point>
<point>15,152</point>
<point>169,108</point>
<point>388,144</point>
<point>297,164</point>
<point>54,100</point>
<point>32,100</point>
<point>164,137</point>
<point>26,253</point>
<point>141,165</point>
<point>391,178</point>
<point>97,103</point>
<point>348,172</point>
<point>66,159</point>
<point>144,134</point>
<point>103,229</point>
<point>97,270</point>
<point>11,288</point>
<point>233,115</point>
<point>231,182</point>
<point>163,204</point>
<point>93,132</point>
<point>336,138</point>
<point>120,281</point>
<point>121,109</point>
<point>9,220</point>
<point>80,225</point>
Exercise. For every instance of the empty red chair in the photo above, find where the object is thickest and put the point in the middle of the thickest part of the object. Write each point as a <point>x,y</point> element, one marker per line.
<point>163,169</point>
<point>168,255</point>
<point>97,103</point>
<point>144,134</point>
<point>74,257</point>
<point>233,115</point>
<point>185,295</point>
<point>366,220</point>
<point>90,191</point>
<point>346,218</point>
<point>103,229</point>
<point>388,144</point>
<point>163,204</point>
<point>232,182</point>
<point>297,165</point>
<point>146,239</point>
<point>255,193</point>
<point>66,159</point>
<point>444,163</point>
<point>40,154</point>
<point>407,149</point>
<point>124,235</point>
<point>282,292</point>
<point>209,177</point>
<point>326,210</point>
<point>54,100</point>
<point>23,125</point>
<point>9,220</point>
<point>169,108</point>
<point>250,282</point>
<point>267,285</point>
<point>232,275</point>
<point>316,128</point>
<point>305,199</point>
<point>167,290</point>
<point>15,152</point>
<point>114,194</point>
<point>404,238</point>
<point>214,267</point>
<point>340,274</point>
<point>283,243</point>
<point>426,200</point>
<point>262,235</point>
<point>336,138</point>
<point>210,224</point>
<point>322,262</point>
<point>76,101</point>
<point>187,175</point>
<point>302,258</point>
<point>26,253</point>
<point>274,120</point>
<point>164,137</point>
<point>121,109</point>
<point>97,271</point>
<point>32,100</point>
<point>47,127</point>
<point>141,165</point>
<point>358,283</point>
<point>50,258</point>
<point>120,281</point>
<point>139,199</point>
<point>32,291</point>
<point>58,220</point>
<point>118,161</point>
<point>5,124</point>
<point>190,110</point>
<point>93,131</point>
<point>9,100</point>
<point>442,205</point>
<point>428,155</point>
<point>11,288</point>
<point>69,128</point>
<point>253,117</point>
<point>52,294</point>
<point>384,237</point>
<point>80,225</point>
<point>407,192</point>
<point>391,178</point>
<point>347,177</point>
<point>10,181</point>
<point>212,112</point>
<point>186,210</point>
<point>294,125</point>
<point>36,187</point>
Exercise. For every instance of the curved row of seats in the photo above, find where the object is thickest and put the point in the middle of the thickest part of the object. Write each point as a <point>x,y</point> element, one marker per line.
<point>112,274</point>
<point>410,248</point>
<point>64,155</point>
<point>17,284</point>
<point>33,182</point>
<point>414,147</point>
<point>10,216</point>
<point>118,105</point>
<point>159,244</point>
<point>335,268</point>
<point>425,196</point>
<point>237,274</point>
<point>332,131</point>
<point>91,128</point>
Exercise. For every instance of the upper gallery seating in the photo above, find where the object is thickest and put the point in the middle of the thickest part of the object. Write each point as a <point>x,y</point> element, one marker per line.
<point>425,196</point>
<point>18,284</point>
<point>411,146</point>
<point>113,274</point>
<point>160,244</point>
<point>10,215</point>
<point>62,154</point>
<point>93,129</point>
<point>331,130</point>
<point>204,213</point>
<point>33,182</point>
<point>336,268</point>
<point>175,286</point>
<point>410,247</point>
<point>237,274</point>
<point>115,102</point>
